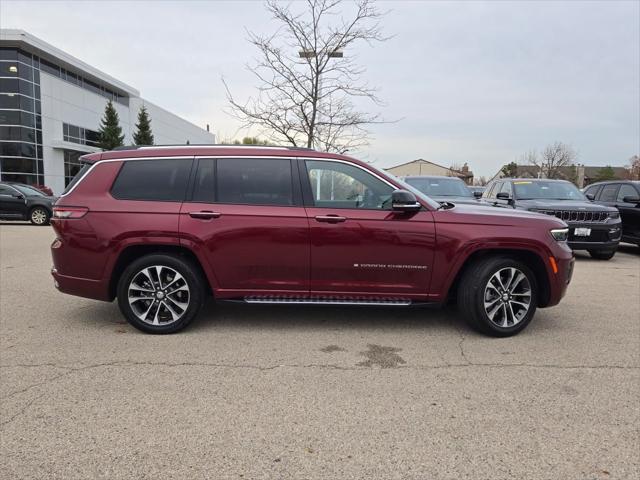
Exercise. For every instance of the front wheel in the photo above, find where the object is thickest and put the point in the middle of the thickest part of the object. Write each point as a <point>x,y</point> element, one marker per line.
<point>498,296</point>
<point>160,293</point>
<point>602,254</point>
<point>39,216</point>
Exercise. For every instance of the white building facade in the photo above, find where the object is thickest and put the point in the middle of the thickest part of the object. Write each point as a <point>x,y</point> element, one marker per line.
<point>51,105</point>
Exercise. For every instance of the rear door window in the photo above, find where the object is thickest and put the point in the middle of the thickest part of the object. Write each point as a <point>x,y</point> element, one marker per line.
<point>253,181</point>
<point>626,190</point>
<point>609,192</point>
<point>160,180</point>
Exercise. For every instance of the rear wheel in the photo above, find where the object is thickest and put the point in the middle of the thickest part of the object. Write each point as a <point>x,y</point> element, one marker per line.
<point>39,216</point>
<point>160,293</point>
<point>602,254</point>
<point>498,296</point>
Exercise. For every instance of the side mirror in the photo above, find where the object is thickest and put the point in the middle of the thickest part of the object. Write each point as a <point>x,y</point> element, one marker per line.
<point>404,201</point>
<point>631,199</point>
<point>19,196</point>
<point>590,196</point>
<point>477,194</point>
<point>503,196</point>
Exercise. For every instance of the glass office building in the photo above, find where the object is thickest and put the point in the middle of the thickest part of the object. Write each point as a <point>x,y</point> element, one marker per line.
<point>51,105</point>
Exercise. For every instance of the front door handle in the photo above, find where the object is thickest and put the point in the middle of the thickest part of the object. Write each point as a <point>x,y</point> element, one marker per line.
<point>204,215</point>
<point>330,218</point>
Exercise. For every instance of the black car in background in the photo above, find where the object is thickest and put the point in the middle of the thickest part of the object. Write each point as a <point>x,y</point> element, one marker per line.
<point>592,227</point>
<point>22,202</point>
<point>625,196</point>
<point>443,189</point>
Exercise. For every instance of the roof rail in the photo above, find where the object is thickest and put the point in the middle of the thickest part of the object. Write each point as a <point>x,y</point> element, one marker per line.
<point>221,145</point>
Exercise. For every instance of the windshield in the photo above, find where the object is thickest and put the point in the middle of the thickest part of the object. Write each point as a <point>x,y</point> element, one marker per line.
<point>440,187</point>
<point>28,190</point>
<point>406,186</point>
<point>533,190</point>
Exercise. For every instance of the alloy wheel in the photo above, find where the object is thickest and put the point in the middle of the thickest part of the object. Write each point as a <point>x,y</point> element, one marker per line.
<point>38,216</point>
<point>507,297</point>
<point>158,295</point>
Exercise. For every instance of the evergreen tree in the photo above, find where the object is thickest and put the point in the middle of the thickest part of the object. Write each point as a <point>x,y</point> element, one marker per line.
<point>606,173</point>
<point>143,135</point>
<point>111,135</point>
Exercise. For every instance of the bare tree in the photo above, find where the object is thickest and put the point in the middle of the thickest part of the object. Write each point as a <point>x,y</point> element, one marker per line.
<point>307,82</point>
<point>480,181</point>
<point>554,158</point>
<point>633,168</point>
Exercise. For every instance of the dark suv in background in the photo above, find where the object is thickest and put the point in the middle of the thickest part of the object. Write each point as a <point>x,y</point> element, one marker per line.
<point>592,227</point>
<point>443,189</point>
<point>160,228</point>
<point>625,196</point>
<point>22,202</point>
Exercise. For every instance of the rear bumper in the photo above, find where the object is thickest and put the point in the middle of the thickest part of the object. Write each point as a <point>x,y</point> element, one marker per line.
<point>81,287</point>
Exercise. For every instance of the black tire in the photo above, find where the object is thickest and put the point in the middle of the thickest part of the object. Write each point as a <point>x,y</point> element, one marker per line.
<point>39,216</point>
<point>602,254</point>
<point>472,290</point>
<point>194,300</point>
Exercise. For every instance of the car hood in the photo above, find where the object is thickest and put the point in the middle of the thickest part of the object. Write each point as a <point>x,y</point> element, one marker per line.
<point>484,214</point>
<point>456,200</point>
<point>563,205</point>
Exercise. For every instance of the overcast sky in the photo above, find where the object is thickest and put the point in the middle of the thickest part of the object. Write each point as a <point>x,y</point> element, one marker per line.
<point>476,82</point>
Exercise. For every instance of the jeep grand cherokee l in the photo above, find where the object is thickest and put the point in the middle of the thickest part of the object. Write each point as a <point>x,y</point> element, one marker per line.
<point>160,228</point>
<point>592,227</point>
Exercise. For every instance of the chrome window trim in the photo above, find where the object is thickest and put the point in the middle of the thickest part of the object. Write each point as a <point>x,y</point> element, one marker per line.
<point>196,157</point>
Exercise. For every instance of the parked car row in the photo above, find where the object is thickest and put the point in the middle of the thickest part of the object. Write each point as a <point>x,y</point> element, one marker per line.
<point>598,219</point>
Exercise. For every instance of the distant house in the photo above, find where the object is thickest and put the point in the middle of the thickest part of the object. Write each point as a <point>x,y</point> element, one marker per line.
<point>581,175</point>
<point>425,167</point>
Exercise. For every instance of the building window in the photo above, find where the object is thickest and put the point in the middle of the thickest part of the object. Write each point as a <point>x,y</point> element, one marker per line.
<point>83,136</point>
<point>20,118</point>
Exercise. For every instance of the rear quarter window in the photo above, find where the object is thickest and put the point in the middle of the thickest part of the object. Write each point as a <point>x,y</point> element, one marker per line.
<point>160,180</point>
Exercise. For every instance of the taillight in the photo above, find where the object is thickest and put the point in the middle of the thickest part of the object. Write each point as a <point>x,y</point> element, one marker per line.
<point>69,212</point>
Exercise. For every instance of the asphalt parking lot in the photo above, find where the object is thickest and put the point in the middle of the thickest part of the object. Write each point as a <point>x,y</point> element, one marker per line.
<point>306,392</point>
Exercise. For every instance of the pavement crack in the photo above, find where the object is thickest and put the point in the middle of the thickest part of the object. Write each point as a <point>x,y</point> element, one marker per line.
<point>461,347</point>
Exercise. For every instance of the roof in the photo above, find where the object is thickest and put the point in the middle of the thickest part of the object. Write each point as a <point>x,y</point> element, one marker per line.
<point>523,179</point>
<point>32,44</point>
<point>431,176</point>
<point>211,150</point>
<point>422,160</point>
<point>606,182</point>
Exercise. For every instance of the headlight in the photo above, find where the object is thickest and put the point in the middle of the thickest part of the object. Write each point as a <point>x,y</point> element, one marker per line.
<point>615,214</point>
<point>560,234</point>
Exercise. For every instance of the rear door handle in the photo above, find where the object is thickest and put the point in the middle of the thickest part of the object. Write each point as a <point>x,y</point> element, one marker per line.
<point>330,218</point>
<point>205,215</point>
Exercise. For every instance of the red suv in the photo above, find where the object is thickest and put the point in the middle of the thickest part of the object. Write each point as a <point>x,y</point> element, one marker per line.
<point>162,228</point>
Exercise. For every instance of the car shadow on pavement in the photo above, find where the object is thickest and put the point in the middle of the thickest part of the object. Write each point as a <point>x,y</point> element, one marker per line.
<point>230,315</point>
<point>325,317</point>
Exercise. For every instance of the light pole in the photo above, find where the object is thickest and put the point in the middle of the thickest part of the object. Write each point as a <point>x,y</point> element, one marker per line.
<point>313,54</point>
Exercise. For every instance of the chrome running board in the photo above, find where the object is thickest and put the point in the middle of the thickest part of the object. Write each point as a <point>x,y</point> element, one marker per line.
<point>396,302</point>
